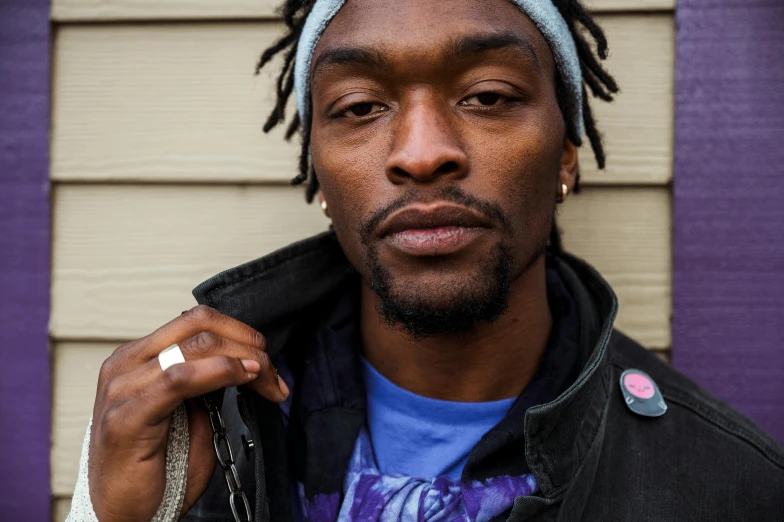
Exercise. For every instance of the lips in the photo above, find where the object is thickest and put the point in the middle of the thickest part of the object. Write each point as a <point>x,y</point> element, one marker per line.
<point>433,216</point>
<point>432,230</point>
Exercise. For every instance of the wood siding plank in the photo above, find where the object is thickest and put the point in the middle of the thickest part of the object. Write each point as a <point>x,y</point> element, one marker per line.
<point>602,6</point>
<point>126,257</point>
<point>185,105</point>
<point>625,233</point>
<point>129,256</point>
<point>61,506</point>
<point>179,103</point>
<point>75,378</point>
<point>115,10</point>
<point>638,126</point>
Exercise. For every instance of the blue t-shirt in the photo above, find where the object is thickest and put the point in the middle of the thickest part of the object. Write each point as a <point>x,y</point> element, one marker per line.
<point>423,437</point>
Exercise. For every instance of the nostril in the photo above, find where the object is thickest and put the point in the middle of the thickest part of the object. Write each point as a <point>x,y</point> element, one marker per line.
<point>400,172</point>
<point>446,168</point>
<point>422,172</point>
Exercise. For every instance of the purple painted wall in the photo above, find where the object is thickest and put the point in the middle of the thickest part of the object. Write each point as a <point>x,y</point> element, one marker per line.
<point>728,287</point>
<point>24,261</point>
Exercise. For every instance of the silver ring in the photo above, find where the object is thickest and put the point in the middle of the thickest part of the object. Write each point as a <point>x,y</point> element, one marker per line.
<point>170,356</point>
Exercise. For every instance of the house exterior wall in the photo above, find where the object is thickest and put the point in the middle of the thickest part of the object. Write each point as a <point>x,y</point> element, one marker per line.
<point>163,177</point>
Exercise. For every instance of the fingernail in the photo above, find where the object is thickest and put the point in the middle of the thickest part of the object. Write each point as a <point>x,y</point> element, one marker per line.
<point>283,388</point>
<point>251,366</point>
<point>252,376</point>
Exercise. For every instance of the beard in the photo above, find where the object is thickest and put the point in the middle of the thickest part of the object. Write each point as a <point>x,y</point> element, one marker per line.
<point>463,301</point>
<point>482,298</point>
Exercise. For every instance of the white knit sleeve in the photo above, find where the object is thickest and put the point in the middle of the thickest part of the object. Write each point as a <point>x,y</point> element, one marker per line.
<point>176,475</point>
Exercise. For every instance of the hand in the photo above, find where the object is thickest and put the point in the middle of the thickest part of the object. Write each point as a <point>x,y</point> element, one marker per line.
<point>135,400</point>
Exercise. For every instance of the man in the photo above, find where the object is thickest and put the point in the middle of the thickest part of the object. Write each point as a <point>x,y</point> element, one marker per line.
<point>436,356</point>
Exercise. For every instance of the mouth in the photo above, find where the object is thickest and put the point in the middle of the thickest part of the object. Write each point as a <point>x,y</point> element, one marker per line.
<point>433,229</point>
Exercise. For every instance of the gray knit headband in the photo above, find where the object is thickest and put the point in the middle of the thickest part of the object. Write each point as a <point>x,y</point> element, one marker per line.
<point>543,13</point>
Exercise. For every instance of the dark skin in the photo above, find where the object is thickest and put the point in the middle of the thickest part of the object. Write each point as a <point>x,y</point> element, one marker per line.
<point>465,98</point>
<point>483,119</point>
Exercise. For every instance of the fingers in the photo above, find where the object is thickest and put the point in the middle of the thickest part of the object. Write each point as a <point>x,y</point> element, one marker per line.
<point>205,345</point>
<point>189,380</point>
<point>208,344</point>
<point>191,323</point>
<point>219,351</point>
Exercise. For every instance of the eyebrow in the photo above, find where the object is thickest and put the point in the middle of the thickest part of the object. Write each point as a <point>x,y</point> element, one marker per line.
<point>461,48</point>
<point>362,56</point>
<point>469,45</point>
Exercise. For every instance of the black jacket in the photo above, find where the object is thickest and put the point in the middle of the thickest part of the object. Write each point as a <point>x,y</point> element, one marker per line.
<point>593,458</point>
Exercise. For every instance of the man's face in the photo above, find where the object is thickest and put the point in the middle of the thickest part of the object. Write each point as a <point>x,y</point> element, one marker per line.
<point>438,143</point>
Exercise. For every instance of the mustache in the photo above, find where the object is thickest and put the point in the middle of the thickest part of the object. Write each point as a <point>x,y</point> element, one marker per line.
<point>451,194</point>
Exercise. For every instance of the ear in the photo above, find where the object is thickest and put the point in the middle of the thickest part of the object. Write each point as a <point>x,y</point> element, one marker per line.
<point>570,166</point>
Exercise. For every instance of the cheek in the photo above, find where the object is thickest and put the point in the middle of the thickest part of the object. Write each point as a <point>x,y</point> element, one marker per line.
<point>352,187</point>
<point>526,152</point>
<point>520,170</point>
<point>350,169</point>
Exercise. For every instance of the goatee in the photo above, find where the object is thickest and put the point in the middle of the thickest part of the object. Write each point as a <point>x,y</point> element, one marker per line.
<point>482,298</point>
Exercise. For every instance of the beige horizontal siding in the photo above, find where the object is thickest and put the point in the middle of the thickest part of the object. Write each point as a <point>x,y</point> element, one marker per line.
<point>76,367</point>
<point>179,103</point>
<point>626,234</point>
<point>638,125</point>
<point>60,508</point>
<point>126,256</point>
<point>104,10</point>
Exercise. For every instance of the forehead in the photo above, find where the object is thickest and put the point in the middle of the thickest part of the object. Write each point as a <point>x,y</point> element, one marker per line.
<point>412,29</point>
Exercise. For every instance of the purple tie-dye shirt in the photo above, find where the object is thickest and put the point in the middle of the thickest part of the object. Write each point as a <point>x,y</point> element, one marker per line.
<point>370,495</point>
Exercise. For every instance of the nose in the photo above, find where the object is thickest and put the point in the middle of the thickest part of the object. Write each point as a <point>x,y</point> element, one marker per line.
<point>425,146</point>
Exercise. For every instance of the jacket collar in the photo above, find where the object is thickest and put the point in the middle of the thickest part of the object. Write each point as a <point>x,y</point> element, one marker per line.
<point>273,293</point>
<point>560,434</point>
<point>278,293</point>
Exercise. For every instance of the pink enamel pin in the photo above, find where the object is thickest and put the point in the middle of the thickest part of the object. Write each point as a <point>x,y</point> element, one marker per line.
<point>641,394</point>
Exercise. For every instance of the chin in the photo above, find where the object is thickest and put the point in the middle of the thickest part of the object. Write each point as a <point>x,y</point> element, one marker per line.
<point>441,298</point>
<point>439,291</point>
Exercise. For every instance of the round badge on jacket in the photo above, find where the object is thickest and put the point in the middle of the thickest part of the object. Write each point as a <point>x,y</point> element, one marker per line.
<point>641,393</point>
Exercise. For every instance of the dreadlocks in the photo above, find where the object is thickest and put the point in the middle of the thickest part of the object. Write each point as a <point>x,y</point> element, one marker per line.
<point>581,24</point>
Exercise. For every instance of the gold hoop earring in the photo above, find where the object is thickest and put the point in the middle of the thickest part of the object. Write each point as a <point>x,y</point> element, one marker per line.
<point>324,208</point>
<point>564,192</point>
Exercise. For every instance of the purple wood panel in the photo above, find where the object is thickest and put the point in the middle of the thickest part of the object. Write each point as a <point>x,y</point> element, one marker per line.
<point>728,281</point>
<point>24,261</point>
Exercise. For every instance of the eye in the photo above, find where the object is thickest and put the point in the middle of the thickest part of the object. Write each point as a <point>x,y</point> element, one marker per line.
<point>358,110</point>
<point>486,99</point>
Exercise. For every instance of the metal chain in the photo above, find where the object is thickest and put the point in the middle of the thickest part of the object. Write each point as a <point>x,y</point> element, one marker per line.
<point>237,499</point>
